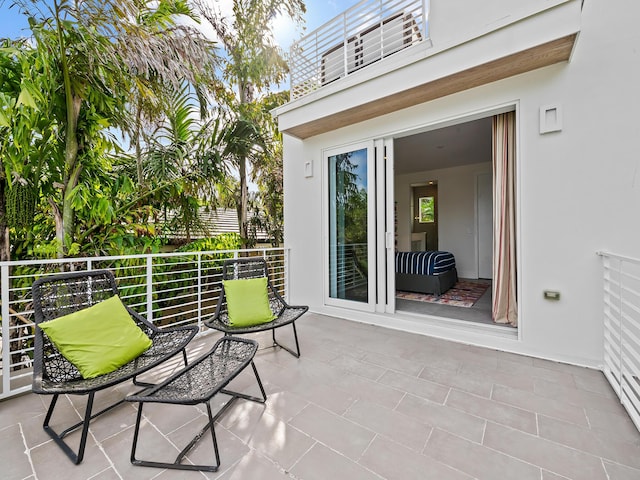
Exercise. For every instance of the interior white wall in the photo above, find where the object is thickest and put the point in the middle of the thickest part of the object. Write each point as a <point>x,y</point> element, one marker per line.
<point>456,212</point>
<point>578,189</point>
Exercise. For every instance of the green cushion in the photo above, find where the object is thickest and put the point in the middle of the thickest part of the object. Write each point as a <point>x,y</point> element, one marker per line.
<point>247,302</point>
<point>98,339</point>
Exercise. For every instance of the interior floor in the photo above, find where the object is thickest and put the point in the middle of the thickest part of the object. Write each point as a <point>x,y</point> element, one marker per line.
<point>480,312</point>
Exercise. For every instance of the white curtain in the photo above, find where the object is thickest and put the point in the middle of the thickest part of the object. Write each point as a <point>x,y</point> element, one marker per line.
<point>505,307</point>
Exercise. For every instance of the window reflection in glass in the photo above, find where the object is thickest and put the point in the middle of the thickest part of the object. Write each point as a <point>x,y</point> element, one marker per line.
<point>348,269</point>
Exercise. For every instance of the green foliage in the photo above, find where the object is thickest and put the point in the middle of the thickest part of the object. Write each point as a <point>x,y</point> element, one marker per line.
<point>427,210</point>
<point>21,205</point>
<point>64,94</point>
<point>98,68</point>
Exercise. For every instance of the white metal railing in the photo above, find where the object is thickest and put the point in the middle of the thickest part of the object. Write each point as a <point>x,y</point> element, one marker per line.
<point>169,289</point>
<point>622,329</point>
<point>347,272</point>
<point>364,34</point>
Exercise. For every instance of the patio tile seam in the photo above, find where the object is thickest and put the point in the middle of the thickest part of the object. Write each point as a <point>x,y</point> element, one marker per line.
<point>315,442</point>
<point>386,369</point>
<point>421,381</point>
<point>110,462</point>
<point>484,431</point>
<point>604,465</point>
<point>27,450</point>
<point>345,457</point>
<point>386,435</point>
<point>106,469</point>
<point>158,431</point>
<point>498,402</point>
<point>341,416</point>
<point>500,452</point>
<point>542,399</point>
<point>273,462</point>
<point>486,419</point>
<point>200,418</point>
<point>421,453</point>
<point>395,408</point>
<point>587,400</point>
<point>594,433</point>
<point>367,447</point>
<point>556,444</point>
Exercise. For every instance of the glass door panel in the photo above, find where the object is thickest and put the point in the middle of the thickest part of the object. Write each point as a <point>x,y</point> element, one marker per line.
<point>350,213</point>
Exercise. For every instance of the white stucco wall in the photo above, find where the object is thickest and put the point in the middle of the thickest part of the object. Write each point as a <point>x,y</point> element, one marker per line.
<point>578,190</point>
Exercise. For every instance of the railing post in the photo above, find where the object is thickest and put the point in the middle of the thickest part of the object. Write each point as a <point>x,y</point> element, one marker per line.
<point>6,334</point>
<point>318,62</point>
<point>621,346</point>
<point>149,274</point>
<point>285,255</point>
<point>199,290</point>
<point>425,20</point>
<point>345,46</point>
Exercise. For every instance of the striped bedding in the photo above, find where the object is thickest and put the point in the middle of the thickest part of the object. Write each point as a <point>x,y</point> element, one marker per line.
<point>424,263</point>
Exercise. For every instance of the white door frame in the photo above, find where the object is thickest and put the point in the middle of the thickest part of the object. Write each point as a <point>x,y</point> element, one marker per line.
<point>385,226</point>
<point>370,305</point>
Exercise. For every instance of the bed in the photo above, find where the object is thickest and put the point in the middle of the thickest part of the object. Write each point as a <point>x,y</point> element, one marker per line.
<point>425,272</point>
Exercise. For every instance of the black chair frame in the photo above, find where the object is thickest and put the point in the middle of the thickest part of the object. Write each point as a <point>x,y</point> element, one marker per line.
<point>58,295</point>
<point>198,383</point>
<point>256,267</point>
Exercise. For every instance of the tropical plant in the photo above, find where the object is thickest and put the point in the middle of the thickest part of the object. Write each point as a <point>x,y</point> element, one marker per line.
<point>91,56</point>
<point>253,64</point>
<point>183,153</point>
<point>26,132</point>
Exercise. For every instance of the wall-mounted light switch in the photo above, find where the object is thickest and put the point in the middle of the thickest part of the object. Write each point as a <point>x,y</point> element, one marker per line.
<point>551,295</point>
<point>308,169</point>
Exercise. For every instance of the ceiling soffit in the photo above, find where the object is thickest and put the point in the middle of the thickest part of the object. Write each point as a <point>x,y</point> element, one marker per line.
<point>524,61</point>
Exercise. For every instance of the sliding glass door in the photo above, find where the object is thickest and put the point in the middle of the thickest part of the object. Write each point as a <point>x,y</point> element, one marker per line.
<point>351,227</point>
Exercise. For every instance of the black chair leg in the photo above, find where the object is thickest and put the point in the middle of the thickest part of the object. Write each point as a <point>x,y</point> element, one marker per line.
<point>177,463</point>
<point>295,335</point>
<point>58,437</point>
<point>237,395</point>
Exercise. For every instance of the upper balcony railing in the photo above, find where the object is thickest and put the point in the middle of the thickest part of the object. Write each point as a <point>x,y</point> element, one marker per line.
<point>362,35</point>
<point>169,289</point>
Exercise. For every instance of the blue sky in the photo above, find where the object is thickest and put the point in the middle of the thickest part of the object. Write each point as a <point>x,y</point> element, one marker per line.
<point>13,24</point>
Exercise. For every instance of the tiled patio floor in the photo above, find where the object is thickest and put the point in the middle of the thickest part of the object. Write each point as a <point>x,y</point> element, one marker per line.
<point>363,402</point>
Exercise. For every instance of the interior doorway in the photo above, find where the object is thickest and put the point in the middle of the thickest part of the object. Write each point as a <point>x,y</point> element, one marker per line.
<point>443,181</point>
<point>424,234</point>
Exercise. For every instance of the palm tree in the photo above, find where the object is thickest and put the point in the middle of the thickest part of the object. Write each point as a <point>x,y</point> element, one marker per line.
<point>179,157</point>
<point>253,63</point>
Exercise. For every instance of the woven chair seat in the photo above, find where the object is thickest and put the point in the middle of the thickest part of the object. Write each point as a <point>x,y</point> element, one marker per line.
<point>286,316</point>
<point>64,377</point>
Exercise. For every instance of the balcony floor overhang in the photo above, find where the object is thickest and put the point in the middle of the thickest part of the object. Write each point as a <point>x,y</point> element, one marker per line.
<point>527,60</point>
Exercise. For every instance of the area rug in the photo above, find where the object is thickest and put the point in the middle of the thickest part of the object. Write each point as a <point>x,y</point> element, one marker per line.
<point>463,294</point>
